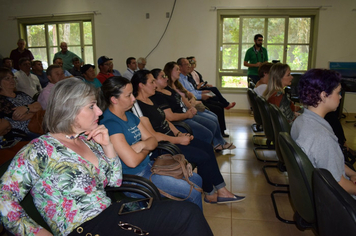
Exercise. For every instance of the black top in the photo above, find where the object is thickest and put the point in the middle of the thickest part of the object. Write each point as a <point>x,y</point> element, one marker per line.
<point>156,117</point>
<point>173,101</point>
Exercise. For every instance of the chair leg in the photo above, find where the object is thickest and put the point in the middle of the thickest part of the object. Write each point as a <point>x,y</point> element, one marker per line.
<point>276,209</point>
<point>267,177</point>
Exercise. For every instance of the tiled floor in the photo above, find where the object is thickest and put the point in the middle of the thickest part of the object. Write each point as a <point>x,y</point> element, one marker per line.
<point>243,175</point>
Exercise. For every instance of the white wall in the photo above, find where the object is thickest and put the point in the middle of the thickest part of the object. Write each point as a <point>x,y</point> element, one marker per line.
<point>121,30</point>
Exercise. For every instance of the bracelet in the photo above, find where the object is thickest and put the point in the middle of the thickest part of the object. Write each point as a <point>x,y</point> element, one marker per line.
<point>28,109</point>
<point>178,133</point>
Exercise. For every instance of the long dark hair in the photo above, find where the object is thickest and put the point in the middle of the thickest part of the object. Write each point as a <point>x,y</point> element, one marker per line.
<point>112,87</point>
<point>139,77</point>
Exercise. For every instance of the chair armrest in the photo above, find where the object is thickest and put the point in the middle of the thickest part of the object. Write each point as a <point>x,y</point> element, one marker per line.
<point>183,125</point>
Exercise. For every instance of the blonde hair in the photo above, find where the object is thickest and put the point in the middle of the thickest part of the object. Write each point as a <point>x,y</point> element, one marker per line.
<point>276,74</point>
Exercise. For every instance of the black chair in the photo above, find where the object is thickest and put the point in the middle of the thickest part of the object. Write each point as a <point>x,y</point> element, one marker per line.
<point>130,184</point>
<point>257,127</point>
<point>279,124</point>
<point>263,107</point>
<point>300,171</point>
<point>335,208</point>
<point>293,90</point>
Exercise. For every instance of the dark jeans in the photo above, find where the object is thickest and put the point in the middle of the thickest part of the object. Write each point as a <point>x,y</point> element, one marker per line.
<point>219,97</point>
<point>218,109</point>
<point>164,218</point>
<point>254,78</point>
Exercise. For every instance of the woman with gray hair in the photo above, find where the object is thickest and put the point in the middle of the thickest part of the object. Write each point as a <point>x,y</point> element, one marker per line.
<point>67,170</point>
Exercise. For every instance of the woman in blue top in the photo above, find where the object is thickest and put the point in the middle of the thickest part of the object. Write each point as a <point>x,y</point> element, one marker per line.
<point>133,142</point>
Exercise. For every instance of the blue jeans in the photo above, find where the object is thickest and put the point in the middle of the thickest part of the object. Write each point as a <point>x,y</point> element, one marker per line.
<point>200,131</point>
<point>212,118</point>
<point>175,187</point>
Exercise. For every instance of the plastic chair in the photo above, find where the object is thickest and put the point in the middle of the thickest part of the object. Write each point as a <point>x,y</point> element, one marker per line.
<point>335,208</point>
<point>263,107</point>
<point>257,127</point>
<point>300,171</point>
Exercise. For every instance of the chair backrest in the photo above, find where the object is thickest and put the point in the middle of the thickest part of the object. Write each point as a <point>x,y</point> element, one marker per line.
<point>280,124</point>
<point>335,208</point>
<point>264,108</point>
<point>294,90</point>
<point>256,112</point>
<point>300,171</point>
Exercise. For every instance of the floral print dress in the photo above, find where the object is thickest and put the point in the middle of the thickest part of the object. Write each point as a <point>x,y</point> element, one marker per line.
<point>67,189</point>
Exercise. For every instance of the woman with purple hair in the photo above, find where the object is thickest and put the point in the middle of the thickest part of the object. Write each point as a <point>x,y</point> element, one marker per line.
<point>319,91</point>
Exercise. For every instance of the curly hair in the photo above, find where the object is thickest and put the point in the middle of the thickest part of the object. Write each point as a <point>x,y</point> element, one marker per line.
<point>315,81</point>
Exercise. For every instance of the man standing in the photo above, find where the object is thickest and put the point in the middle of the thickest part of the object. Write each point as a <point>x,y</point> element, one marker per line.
<point>37,69</point>
<point>88,73</point>
<point>131,67</point>
<point>67,56</point>
<point>25,81</point>
<point>104,65</point>
<point>54,74</point>
<point>254,57</point>
<point>20,52</point>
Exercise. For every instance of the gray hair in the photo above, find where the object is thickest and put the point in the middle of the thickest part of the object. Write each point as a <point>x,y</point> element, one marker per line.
<point>67,98</point>
<point>141,60</point>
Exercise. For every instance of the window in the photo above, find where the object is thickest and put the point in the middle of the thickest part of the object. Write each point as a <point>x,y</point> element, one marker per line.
<point>288,37</point>
<point>44,35</point>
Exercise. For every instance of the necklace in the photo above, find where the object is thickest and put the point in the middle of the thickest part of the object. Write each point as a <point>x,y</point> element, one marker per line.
<point>72,136</point>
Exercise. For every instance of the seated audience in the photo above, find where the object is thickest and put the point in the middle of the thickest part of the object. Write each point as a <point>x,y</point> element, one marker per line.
<point>263,73</point>
<point>75,71</point>
<point>131,67</point>
<point>88,73</point>
<point>279,78</point>
<point>319,91</point>
<point>141,63</point>
<point>196,79</point>
<point>112,70</point>
<point>55,74</point>
<point>67,56</point>
<point>37,69</point>
<point>172,70</point>
<point>104,65</point>
<point>205,124</point>
<point>59,61</point>
<point>16,106</point>
<point>67,169</point>
<point>25,81</point>
<point>7,62</point>
<point>20,52</point>
<point>133,143</point>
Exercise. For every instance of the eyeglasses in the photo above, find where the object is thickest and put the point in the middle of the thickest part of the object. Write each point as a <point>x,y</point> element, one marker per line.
<point>136,230</point>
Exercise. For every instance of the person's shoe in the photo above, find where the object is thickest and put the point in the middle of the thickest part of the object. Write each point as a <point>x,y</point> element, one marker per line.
<point>223,200</point>
<point>231,105</point>
<point>229,146</point>
<point>210,202</point>
<point>225,135</point>
<point>218,148</point>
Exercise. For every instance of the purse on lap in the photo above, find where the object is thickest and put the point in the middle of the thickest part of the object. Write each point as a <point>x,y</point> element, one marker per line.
<point>176,166</point>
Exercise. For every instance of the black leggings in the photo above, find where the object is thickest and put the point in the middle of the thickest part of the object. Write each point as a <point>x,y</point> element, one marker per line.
<point>164,218</point>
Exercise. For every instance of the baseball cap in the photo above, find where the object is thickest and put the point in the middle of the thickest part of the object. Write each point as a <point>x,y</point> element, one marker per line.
<point>103,59</point>
<point>85,67</point>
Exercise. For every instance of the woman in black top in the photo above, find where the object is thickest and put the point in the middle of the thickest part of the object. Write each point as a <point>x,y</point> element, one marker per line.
<point>195,151</point>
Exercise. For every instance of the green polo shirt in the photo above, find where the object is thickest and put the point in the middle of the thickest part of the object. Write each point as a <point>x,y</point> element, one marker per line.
<point>252,58</point>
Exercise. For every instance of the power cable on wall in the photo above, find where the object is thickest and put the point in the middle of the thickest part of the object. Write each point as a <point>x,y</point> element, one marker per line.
<point>170,17</point>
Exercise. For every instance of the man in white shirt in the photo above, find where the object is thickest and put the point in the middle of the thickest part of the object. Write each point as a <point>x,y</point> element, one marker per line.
<point>25,81</point>
<point>131,67</point>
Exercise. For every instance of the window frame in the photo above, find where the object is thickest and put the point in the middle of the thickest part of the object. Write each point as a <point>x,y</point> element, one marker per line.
<point>313,13</point>
<point>45,20</point>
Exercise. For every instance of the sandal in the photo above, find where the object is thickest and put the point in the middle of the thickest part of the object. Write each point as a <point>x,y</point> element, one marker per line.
<point>229,146</point>
<point>218,148</point>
